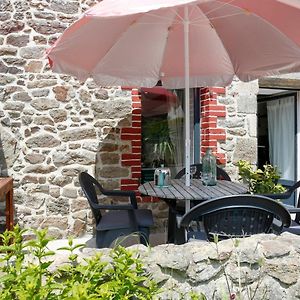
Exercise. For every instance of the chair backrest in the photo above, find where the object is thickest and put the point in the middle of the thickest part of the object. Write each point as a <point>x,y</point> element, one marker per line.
<point>292,189</point>
<point>237,216</point>
<point>221,174</point>
<point>89,184</point>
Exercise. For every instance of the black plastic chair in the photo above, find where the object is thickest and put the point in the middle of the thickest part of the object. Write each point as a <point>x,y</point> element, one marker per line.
<point>295,225</point>
<point>119,220</point>
<point>236,217</point>
<point>177,234</point>
<point>287,194</point>
<point>221,174</point>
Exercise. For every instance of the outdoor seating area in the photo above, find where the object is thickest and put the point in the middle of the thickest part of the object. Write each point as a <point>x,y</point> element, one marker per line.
<point>223,211</point>
<point>153,134</point>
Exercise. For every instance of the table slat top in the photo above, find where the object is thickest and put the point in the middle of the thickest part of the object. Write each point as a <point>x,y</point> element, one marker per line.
<point>177,190</point>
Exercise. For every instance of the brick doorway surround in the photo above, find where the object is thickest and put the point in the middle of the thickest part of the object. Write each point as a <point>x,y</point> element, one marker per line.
<point>211,134</point>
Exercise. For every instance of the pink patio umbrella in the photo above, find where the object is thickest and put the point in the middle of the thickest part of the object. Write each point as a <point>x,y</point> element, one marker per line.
<point>183,43</point>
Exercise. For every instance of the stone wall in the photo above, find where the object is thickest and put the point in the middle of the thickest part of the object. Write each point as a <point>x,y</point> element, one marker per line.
<point>240,124</point>
<point>52,126</point>
<point>262,266</point>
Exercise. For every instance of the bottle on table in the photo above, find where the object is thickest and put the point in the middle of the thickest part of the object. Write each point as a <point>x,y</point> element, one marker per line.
<point>209,168</point>
<point>162,176</point>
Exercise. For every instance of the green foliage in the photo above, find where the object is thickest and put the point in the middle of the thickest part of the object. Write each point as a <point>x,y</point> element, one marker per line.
<point>156,135</point>
<point>260,181</point>
<point>25,274</point>
<point>195,296</point>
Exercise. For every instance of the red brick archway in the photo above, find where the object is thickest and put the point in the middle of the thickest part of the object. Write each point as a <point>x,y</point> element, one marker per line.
<point>211,134</point>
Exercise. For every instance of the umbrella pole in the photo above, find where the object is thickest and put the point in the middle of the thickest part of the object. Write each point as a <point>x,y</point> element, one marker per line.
<point>187,99</point>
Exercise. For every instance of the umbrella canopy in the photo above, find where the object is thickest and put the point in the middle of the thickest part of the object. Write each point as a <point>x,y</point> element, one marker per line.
<point>133,42</point>
<point>183,43</point>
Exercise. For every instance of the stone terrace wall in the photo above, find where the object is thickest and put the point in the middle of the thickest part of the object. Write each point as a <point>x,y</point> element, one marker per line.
<point>53,127</point>
<point>266,265</point>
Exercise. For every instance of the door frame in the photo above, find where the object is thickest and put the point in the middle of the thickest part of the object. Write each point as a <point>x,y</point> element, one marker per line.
<point>293,90</point>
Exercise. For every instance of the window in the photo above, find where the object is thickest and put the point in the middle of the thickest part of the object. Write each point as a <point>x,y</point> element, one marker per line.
<point>162,130</point>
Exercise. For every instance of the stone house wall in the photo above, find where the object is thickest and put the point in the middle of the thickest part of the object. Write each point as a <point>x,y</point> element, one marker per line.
<point>240,124</point>
<point>53,126</point>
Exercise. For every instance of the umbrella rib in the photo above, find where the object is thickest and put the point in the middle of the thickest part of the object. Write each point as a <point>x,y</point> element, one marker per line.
<point>214,9</point>
<point>216,18</point>
<point>227,16</point>
<point>206,15</point>
<point>220,40</point>
<point>193,9</point>
<point>178,15</point>
<point>219,7</point>
<point>267,22</point>
<point>168,19</point>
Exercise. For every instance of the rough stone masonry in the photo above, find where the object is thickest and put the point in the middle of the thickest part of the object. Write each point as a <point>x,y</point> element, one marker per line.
<point>53,126</point>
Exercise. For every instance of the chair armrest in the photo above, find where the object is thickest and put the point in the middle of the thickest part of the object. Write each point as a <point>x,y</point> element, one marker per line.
<point>130,194</point>
<point>293,210</point>
<point>114,207</point>
<point>285,195</point>
<point>276,226</point>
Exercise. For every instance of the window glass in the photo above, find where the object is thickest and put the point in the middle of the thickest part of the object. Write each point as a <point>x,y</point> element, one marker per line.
<point>162,130</point>
<point>276,132</point>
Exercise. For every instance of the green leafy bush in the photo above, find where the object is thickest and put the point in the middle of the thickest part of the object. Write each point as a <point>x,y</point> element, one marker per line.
<point>157,141</point>
<point>260,181</point>
<point>25,272</point>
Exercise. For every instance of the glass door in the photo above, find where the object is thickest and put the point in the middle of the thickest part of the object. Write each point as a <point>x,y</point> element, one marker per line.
<point>163,130</point>
<point>277,127</point>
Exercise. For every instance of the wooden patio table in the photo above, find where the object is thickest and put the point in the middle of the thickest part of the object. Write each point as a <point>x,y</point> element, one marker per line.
<point>6,190</point>
<point>177,191</point>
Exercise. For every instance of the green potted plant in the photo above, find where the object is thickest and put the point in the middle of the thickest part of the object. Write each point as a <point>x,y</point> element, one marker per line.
<point>156,136</point>
<point>260,181</point>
